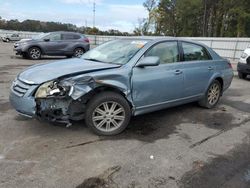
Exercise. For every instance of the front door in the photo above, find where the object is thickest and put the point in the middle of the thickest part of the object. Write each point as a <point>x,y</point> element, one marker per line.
<point>52,44</point>
<point>157,85</point>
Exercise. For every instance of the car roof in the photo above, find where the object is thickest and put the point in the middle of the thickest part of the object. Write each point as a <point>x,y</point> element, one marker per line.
<point>159,39</point>
<point>66,32</point>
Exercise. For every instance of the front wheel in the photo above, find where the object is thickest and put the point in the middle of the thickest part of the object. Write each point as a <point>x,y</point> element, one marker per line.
<point>107,113</point>
<point>212,95</point>
<point>34,53</point>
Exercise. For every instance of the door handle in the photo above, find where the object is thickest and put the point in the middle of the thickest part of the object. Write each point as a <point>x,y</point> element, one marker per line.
<point>210,68</point>
<point>177,72</point>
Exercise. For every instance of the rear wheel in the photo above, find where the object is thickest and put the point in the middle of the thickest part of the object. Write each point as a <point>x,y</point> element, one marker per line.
<point>107,113</point>
<point>7,40</point>
<point>34,53</point>
<point>78,52</point>
<point>242,75</point>
<point>212,95</point>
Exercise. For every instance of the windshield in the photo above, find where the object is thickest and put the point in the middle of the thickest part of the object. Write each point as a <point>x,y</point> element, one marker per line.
<point>40,36</point>
<point>117,51</point>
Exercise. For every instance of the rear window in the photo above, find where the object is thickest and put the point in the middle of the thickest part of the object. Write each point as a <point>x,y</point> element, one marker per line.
<point>193,52</point>
<point>70,36</point>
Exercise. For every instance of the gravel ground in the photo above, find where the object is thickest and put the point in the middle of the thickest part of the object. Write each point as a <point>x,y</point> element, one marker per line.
<point>185,146</point>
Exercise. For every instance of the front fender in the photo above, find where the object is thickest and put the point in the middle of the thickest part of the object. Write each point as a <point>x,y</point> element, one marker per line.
<point>79,89</point>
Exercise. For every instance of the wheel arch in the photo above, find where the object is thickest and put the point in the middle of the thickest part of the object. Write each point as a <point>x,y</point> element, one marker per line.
<point>104,88</point>
<point>78,46</point>
<point>221,82</point>
<point>219,78</point>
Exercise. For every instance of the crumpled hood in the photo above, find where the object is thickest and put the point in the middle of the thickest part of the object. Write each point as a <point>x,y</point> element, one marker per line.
<point>40,73</point>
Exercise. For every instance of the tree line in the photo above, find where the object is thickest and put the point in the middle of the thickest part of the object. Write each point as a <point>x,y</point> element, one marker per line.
<point>196,18</point>
<point>40,26</point>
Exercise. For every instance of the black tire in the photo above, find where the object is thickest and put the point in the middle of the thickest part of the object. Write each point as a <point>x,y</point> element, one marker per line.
<point>34,53</point>
<point>78,52</point>
<point>108,98</point>
<point>242,75</point>
<point>69,56</point>
<point>7,40</point>
<point>206,102</point>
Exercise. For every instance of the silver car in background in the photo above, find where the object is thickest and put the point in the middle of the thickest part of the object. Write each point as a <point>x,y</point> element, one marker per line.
<point>11,37</point>
<point>53,44</point>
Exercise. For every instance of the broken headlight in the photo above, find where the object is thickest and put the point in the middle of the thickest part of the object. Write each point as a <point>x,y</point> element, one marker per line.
<point>51,89</point>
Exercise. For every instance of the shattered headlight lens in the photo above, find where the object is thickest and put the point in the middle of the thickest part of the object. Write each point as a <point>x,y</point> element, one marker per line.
<point>50,89</point>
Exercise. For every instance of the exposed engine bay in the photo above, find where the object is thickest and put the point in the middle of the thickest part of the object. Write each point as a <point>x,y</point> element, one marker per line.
<point>63,100</point>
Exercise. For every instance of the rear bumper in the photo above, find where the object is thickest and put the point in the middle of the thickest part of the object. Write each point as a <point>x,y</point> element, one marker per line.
<point>243,68</point>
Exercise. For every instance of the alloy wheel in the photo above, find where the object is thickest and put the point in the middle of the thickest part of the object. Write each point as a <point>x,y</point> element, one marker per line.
<point>108,116</point>
<point>78,52</point>
<point>213,94</point>
<point>35,53</point>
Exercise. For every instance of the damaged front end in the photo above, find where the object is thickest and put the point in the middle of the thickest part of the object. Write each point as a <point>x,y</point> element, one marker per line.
<point>62,100</point>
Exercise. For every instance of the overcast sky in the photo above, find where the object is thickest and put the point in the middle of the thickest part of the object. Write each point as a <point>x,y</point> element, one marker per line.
<point>120,14</point>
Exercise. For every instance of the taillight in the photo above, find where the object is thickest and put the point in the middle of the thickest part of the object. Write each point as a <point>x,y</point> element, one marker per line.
<point>86,40</point>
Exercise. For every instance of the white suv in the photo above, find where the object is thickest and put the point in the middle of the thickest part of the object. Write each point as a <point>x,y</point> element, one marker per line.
<point>243,67</point>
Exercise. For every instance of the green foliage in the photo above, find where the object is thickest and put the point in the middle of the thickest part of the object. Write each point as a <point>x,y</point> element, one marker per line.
<point>194,18</point>
<point>39,26</point>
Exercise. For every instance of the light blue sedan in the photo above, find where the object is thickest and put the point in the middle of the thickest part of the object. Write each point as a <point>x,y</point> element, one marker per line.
<point>120,79</point>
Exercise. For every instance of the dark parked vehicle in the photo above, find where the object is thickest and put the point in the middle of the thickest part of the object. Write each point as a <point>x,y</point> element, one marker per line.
<point>243,66</point>
<point>12,37</point>
<point>54,44</point>
<point>120,79</point>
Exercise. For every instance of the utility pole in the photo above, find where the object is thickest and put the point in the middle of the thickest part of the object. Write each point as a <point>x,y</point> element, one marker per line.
<point>94,14</point>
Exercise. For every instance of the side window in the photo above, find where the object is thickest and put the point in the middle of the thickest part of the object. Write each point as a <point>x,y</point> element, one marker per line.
<point>167,52</point>
<point>70,36</point>
<point>55,37</point>
<point>77,36</point>
<point>67,37</point>
<point>193,52</point>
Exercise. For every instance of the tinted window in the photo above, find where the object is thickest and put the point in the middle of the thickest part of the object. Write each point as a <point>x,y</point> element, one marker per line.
<point>193,52</point>
<point>166,51</point>
<point>77,36</point>
<point>70,36</point>
<point>55,37</point>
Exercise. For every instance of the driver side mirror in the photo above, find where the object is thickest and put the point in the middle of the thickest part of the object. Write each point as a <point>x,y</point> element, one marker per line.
<point>46,40</point>
<point>149,61</point>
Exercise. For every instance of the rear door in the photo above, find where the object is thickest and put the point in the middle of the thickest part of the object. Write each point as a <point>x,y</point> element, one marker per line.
<point>153,86</point>
<point>198,68</point>
<point>69,41</point>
